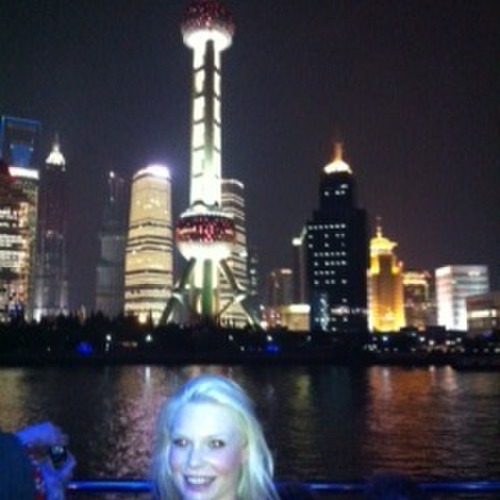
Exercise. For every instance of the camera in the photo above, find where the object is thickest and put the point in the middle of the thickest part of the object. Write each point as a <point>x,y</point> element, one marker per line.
<point>58,455</point>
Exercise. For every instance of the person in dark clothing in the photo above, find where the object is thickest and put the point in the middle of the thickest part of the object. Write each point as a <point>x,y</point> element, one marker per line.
<point>26,471</point>
<point>16,470</point>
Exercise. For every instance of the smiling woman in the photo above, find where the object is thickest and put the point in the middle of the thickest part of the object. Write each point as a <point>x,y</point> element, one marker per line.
<point>210,445</point>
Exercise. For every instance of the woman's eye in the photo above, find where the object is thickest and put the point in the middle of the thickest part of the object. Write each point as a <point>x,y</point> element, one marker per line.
<point>179,442</point>
<point>217,443</point>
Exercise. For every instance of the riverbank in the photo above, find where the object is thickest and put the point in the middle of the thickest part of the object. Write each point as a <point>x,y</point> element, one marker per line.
<point>361,359</point>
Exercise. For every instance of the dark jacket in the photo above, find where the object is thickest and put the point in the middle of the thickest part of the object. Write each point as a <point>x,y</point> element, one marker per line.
<point>16,472</point>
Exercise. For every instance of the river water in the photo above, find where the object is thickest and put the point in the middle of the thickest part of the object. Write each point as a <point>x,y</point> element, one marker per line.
<point>323,423</point>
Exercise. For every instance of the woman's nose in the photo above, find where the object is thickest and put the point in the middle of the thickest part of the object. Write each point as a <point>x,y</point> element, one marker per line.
<point>195,457</point>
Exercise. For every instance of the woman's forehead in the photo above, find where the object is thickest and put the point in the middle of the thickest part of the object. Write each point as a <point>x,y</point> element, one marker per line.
<point>205,418</point>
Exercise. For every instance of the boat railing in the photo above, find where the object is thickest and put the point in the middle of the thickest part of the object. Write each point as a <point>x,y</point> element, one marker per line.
<point>442,487</point>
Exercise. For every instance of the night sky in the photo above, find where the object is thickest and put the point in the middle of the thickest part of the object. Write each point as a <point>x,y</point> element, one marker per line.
<point>412,87</point>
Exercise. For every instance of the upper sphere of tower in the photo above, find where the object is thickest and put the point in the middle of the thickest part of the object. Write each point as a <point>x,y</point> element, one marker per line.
<point>207,20</point>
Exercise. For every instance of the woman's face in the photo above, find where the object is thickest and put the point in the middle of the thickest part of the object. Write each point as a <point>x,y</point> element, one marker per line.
<point>206,453</point>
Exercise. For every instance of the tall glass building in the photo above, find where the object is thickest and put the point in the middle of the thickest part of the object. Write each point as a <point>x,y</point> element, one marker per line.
<point>14,248</point>
<point>233,203</point>
<point>112,239</point>
<point>19,139</point>
<point>51,275</point>
<point>149,249</point>
<point>337,253</point>
<point>453,285</point>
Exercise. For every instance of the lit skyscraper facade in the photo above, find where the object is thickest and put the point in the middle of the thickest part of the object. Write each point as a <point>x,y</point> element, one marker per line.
<point>19,139</point>
<point>419,302</point>
<point>149,250</point>
<point>205,233</point>
<point>453,285</point>
<point>14,248</point>
<point>337,253</point>
<point>51,282</point>
<point>233,203</point>
<point>112,239</point>
<point>483,313</point>
<point>385,286</point>
<point>299,245</point>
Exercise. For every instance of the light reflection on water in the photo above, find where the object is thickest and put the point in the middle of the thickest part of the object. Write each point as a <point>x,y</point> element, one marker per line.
<point>322,422</point>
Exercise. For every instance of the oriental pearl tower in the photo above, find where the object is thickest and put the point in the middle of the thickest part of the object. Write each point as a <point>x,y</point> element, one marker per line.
<point>204,233</point>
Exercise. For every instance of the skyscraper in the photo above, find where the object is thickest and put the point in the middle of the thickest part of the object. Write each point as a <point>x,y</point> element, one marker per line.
<point>233,203</point>
<point>14,248</point>
<point>205,233</point>
<point>149,251</point>
<point>51,282</point>
<point>385,286</point>
<point>299,268</point>
<point>418,290</point>
<point>278,296</point>
<point>453,285</point>
<point>19,139</point>
<point>337,253</point>
<point>112,238</point>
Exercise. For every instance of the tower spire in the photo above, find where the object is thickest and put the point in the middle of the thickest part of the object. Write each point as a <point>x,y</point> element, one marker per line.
<point>379,226</point>
<point>205,234</point>
<point>55,157</point>
<point>337,165</point>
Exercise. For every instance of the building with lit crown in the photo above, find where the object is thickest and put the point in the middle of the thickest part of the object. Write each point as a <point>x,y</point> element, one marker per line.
<point>453,285</point>
<point>205,234</point>
<point>337,253</point>
<point>385,286</point>
<point>19,138</point>
<point>110,277</point>
<point>51,275</point>
<point>149,249</point>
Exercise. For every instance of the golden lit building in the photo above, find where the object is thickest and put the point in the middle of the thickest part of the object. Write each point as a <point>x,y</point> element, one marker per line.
<point>149,250</point>
<point>385,286</point>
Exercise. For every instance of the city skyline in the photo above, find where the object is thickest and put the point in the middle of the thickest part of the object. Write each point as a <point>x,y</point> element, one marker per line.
<point>411,89</point>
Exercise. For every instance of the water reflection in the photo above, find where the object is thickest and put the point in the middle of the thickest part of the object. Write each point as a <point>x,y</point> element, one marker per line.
<point>322,422</point>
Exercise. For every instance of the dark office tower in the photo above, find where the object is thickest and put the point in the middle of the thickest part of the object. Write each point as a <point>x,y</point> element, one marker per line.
<point>337,253</point>
<point>279,287</point>
<point>419,306</point>
<point>51,275</point>
<point>233,203</point>
<point>19,140</point>
<point>113,240</point>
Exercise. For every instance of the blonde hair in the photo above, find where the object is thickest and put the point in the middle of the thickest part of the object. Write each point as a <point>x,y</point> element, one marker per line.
<point>256,481</point>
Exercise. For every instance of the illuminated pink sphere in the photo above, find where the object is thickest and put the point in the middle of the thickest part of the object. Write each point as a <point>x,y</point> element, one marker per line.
<point>205,236</point>
<point>210,17</point>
